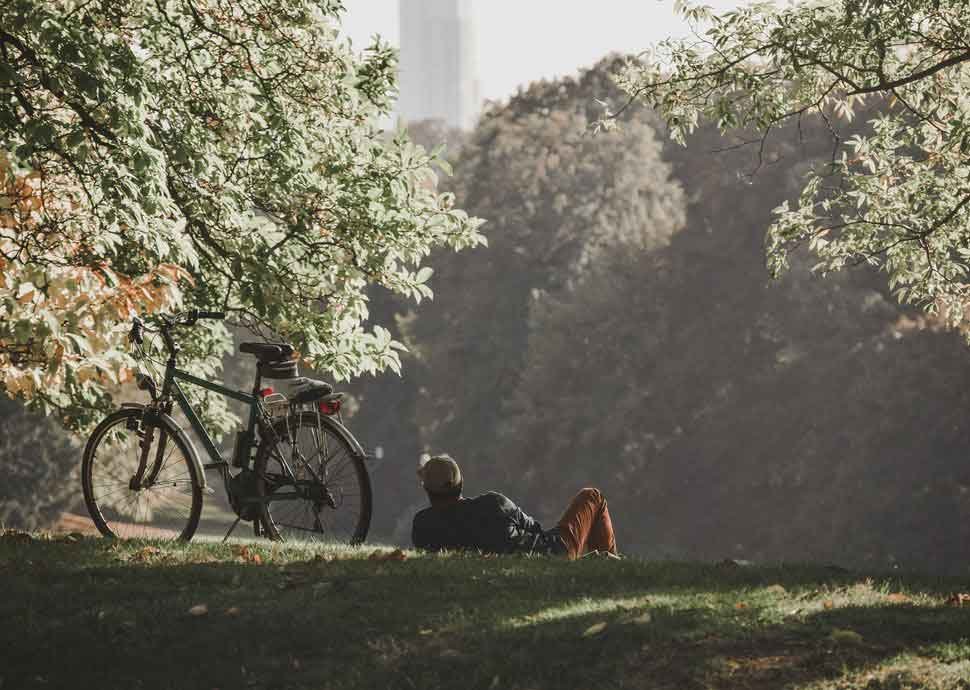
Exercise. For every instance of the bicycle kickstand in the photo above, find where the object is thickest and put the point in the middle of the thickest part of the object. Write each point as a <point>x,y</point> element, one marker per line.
<point>231,529</point>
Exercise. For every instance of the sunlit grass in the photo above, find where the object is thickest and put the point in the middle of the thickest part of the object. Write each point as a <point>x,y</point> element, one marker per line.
<point>87,612</point>
<point>584,607</point>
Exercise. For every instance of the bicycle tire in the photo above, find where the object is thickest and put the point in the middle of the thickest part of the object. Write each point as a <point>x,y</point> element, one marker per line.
<point>108,508</point>
<point>290,524</point>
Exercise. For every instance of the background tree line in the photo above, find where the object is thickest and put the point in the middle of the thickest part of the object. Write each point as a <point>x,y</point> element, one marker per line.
<point>621,329</point>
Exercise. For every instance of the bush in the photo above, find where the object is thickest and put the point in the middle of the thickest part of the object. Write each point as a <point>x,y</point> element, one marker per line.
<point>41,466</point>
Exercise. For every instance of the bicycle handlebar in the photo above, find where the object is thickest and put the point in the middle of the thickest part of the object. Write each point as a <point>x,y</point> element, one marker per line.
<point>137,333</point>
<point>188,318</point>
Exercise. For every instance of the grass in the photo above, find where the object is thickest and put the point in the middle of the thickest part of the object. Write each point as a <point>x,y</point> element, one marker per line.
<point>89,613</point>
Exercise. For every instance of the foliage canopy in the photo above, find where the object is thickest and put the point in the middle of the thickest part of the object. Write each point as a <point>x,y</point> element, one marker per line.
<point>897,195</point>
<point>199,153</point>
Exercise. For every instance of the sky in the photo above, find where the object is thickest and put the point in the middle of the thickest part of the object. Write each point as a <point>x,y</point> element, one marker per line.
<point>520,41</point>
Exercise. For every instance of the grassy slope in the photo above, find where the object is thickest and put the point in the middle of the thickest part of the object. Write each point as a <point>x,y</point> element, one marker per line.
<point>89,613</point>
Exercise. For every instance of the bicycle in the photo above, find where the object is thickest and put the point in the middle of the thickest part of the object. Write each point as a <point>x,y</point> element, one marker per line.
<point>296,472</point>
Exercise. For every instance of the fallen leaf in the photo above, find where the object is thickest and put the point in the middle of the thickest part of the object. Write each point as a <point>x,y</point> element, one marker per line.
<point>395,555</point>
<point>828,604</point>
<point>595,629</point>
<point>426,631</point>
<point>959,599</point>
<point>248,555</point>
<point>145,554</point>
<point>740,606</point>
<point>840,636</point>
<point>778,589</point>
<point>898,598</point>
<point>199,610</point>
<point>232,611</point>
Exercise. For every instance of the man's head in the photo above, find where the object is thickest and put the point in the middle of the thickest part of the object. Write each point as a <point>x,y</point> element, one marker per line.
<point>440,477</point>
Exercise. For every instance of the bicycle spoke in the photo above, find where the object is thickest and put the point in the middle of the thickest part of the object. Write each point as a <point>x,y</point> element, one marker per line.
<point>167,508</point>
<point>325,471</point>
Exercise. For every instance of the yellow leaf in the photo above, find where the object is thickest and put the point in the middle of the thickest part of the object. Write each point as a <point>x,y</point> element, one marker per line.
<point>595,629</point>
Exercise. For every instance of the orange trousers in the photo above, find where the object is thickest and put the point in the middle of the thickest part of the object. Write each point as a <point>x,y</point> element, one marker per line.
<point>586,525</point>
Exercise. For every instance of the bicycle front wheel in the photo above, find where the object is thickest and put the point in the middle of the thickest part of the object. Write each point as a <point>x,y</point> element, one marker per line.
<point>158,499</point>
<point>312,483</point>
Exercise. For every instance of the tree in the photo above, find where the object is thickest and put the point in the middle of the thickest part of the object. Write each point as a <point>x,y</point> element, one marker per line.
<point>199,153</point>
<point>41,468</point>
<point>559,201</point>
<point>725,416</point>
<point>896,196</point>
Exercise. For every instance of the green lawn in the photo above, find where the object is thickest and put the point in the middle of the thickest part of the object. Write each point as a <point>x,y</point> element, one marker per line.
<point>89,613</point>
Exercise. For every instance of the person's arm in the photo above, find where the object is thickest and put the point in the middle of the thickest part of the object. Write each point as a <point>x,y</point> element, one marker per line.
<point>525,522</point>
<point>529,523</point>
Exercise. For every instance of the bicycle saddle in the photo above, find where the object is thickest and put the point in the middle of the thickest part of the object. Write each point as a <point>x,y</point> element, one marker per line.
<point>304,390</point>
<point>268,352</point>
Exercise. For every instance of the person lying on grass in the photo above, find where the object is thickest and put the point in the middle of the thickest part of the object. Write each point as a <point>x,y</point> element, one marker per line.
<point>491,523</point>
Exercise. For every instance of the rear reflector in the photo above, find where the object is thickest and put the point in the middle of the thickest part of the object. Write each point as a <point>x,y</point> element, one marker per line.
<point>330,407</point>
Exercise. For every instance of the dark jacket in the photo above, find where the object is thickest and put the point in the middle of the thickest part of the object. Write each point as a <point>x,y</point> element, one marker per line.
<point>490,523</point>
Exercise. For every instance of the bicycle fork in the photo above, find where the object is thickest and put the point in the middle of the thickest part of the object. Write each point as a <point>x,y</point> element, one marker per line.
<point>146,435</point>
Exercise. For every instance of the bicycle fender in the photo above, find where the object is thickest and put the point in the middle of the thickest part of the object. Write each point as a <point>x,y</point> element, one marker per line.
<point>345,434</point>
<point>173,428</point>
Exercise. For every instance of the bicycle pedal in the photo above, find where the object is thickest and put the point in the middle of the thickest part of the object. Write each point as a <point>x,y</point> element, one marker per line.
<point>209,491</point>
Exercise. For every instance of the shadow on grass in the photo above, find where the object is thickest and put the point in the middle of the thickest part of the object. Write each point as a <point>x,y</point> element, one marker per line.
<point>88,615</point>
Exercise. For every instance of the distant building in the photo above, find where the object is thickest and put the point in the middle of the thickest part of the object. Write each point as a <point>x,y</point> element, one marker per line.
<point>439,77</point>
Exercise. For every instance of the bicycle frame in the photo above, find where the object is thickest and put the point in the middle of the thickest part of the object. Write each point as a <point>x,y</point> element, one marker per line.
<point>171,389</point>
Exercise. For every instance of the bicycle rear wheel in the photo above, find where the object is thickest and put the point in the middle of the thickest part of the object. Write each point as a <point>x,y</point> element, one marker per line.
<point>330,499</point>
<point>164,503</point>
